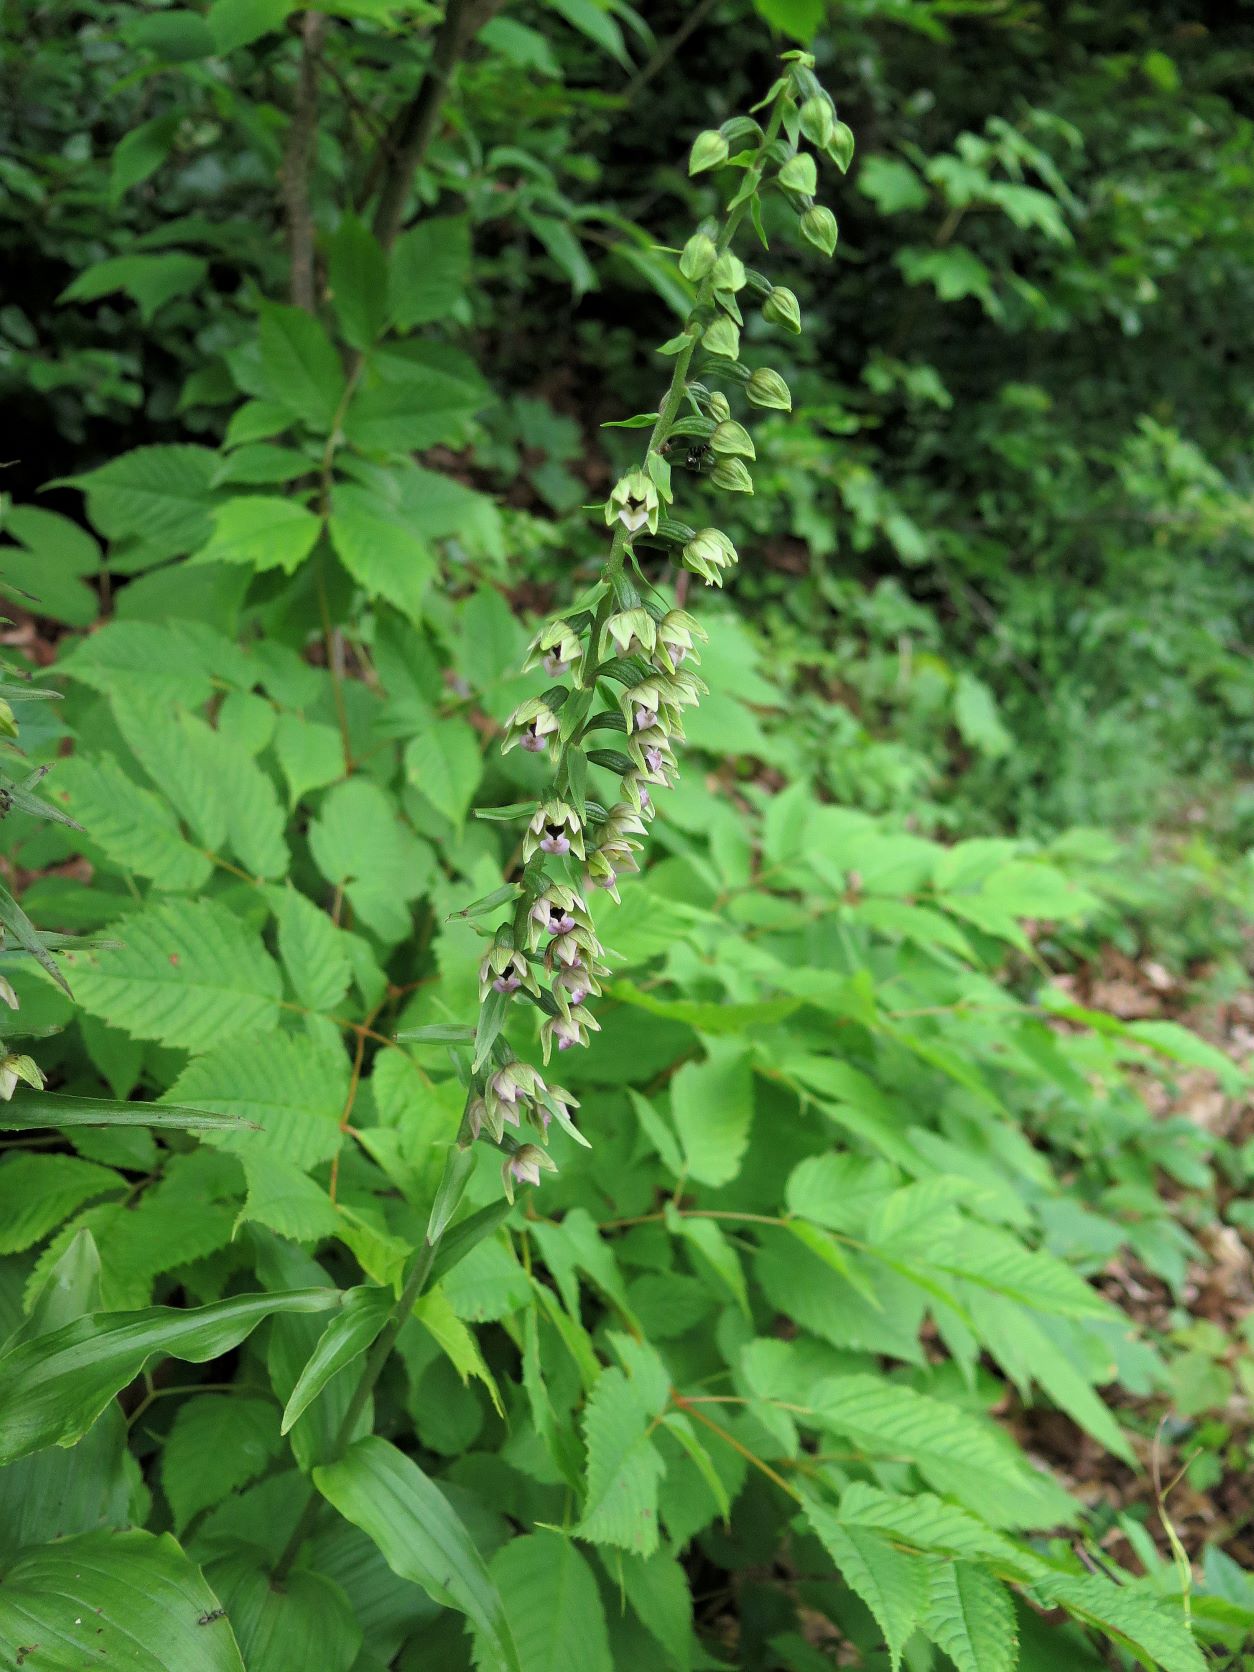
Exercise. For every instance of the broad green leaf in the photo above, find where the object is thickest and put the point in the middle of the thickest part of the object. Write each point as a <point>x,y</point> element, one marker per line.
<point>970,1616</point>
<point>217,1444</point>
<point>799,19</point>
<point>657,1589</point>
<point>61,1491</point>
<point>302,370</point>
<point>290,1088</point>
<point>714,1250</point>
<point>113,1599</point>
<point>259,465</point>
<point>553,1604</point>
<point>955,1452</point>
<point>58,555</point>
<point>359,1320</point>
<point>421,1537</point>
<point>135,827</point>
<point>285,1199</point>
<point>305,1623</point>
<point>359,282</point>
<point>312,948</point>
<point>262,531</point>
<point>359,843</point>
<point>428,272</point>
<point>176,750</point>
<point>621,1505</point>
<point>383,556</point>
<point>925,1522</point>
<point>39,1192</point>
<point>189,975</point>
<point>427,406</point>
<point>174,662</point>
<point>29,1109</point>
<point>54,1388</point>
<point>977,719</point>
<point>1155,1627</point>
<point>310,754</point>
<point>139,153</point>
<point>712,1105</point>
<point>893,1584</point>
<point>443,761</point>
<point>159,494</point>
<point>595,22</point>
<point>237,23</point>
<point>150,280</point>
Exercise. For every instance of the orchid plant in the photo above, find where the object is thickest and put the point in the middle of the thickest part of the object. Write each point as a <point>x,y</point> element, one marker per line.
<point>623,659</point>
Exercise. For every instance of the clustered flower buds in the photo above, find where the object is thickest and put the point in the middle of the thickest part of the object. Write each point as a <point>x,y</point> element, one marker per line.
<point>582,839</point>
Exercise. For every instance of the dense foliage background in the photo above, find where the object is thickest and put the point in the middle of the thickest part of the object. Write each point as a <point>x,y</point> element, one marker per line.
<point>899,1312</point>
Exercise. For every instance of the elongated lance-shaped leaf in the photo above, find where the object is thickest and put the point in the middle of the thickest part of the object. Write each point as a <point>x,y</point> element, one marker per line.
<point>29,1109</point>
<point>469,1233</point>
<point>53,1389</point>
<point>346,1337</point>
<point>420,1535</point>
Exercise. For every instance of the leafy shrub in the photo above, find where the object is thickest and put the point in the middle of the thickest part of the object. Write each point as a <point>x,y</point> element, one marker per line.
<point>848,1160</point>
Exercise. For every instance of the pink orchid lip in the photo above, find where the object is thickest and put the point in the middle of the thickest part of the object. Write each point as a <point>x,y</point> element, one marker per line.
<point>532,741</point>
<point>507,983</point>
<point>554,665</point>
<point>556,844</point>
<point>646,718</point>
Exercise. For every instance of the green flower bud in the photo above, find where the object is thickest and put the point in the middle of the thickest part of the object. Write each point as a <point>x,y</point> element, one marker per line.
<point>15,1067</point>
<point>732,476</point>
<point>732,440</point>
<point>718,406</point>
<point>767,388</point>
<point>799,174</point>
<point>729,272</point>
<point>818,120</point>
<point>840,147</point>
<point>709,150</point>
<point>818,227</point>
<point>700,254</point>
<point>723,337</point>
<point>782,308</point>
<point>708,553</point>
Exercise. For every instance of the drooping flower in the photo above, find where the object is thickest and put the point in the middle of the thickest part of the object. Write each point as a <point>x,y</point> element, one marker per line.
<point>555,647</point>
<point>630,631</point>
<point>556,829</point>
<point>524,1167</point>
<point>633,502</point>
<point>708,553</point>
<point>676,633</point>
<point>567,1031</point>
<point>505,970</point>
<point>555,912</point>
<point>534,726</point>
<point>15,1067</point>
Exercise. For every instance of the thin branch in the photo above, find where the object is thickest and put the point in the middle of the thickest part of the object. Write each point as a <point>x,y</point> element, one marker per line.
<point>410,135</point>
<point>302,136</point>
